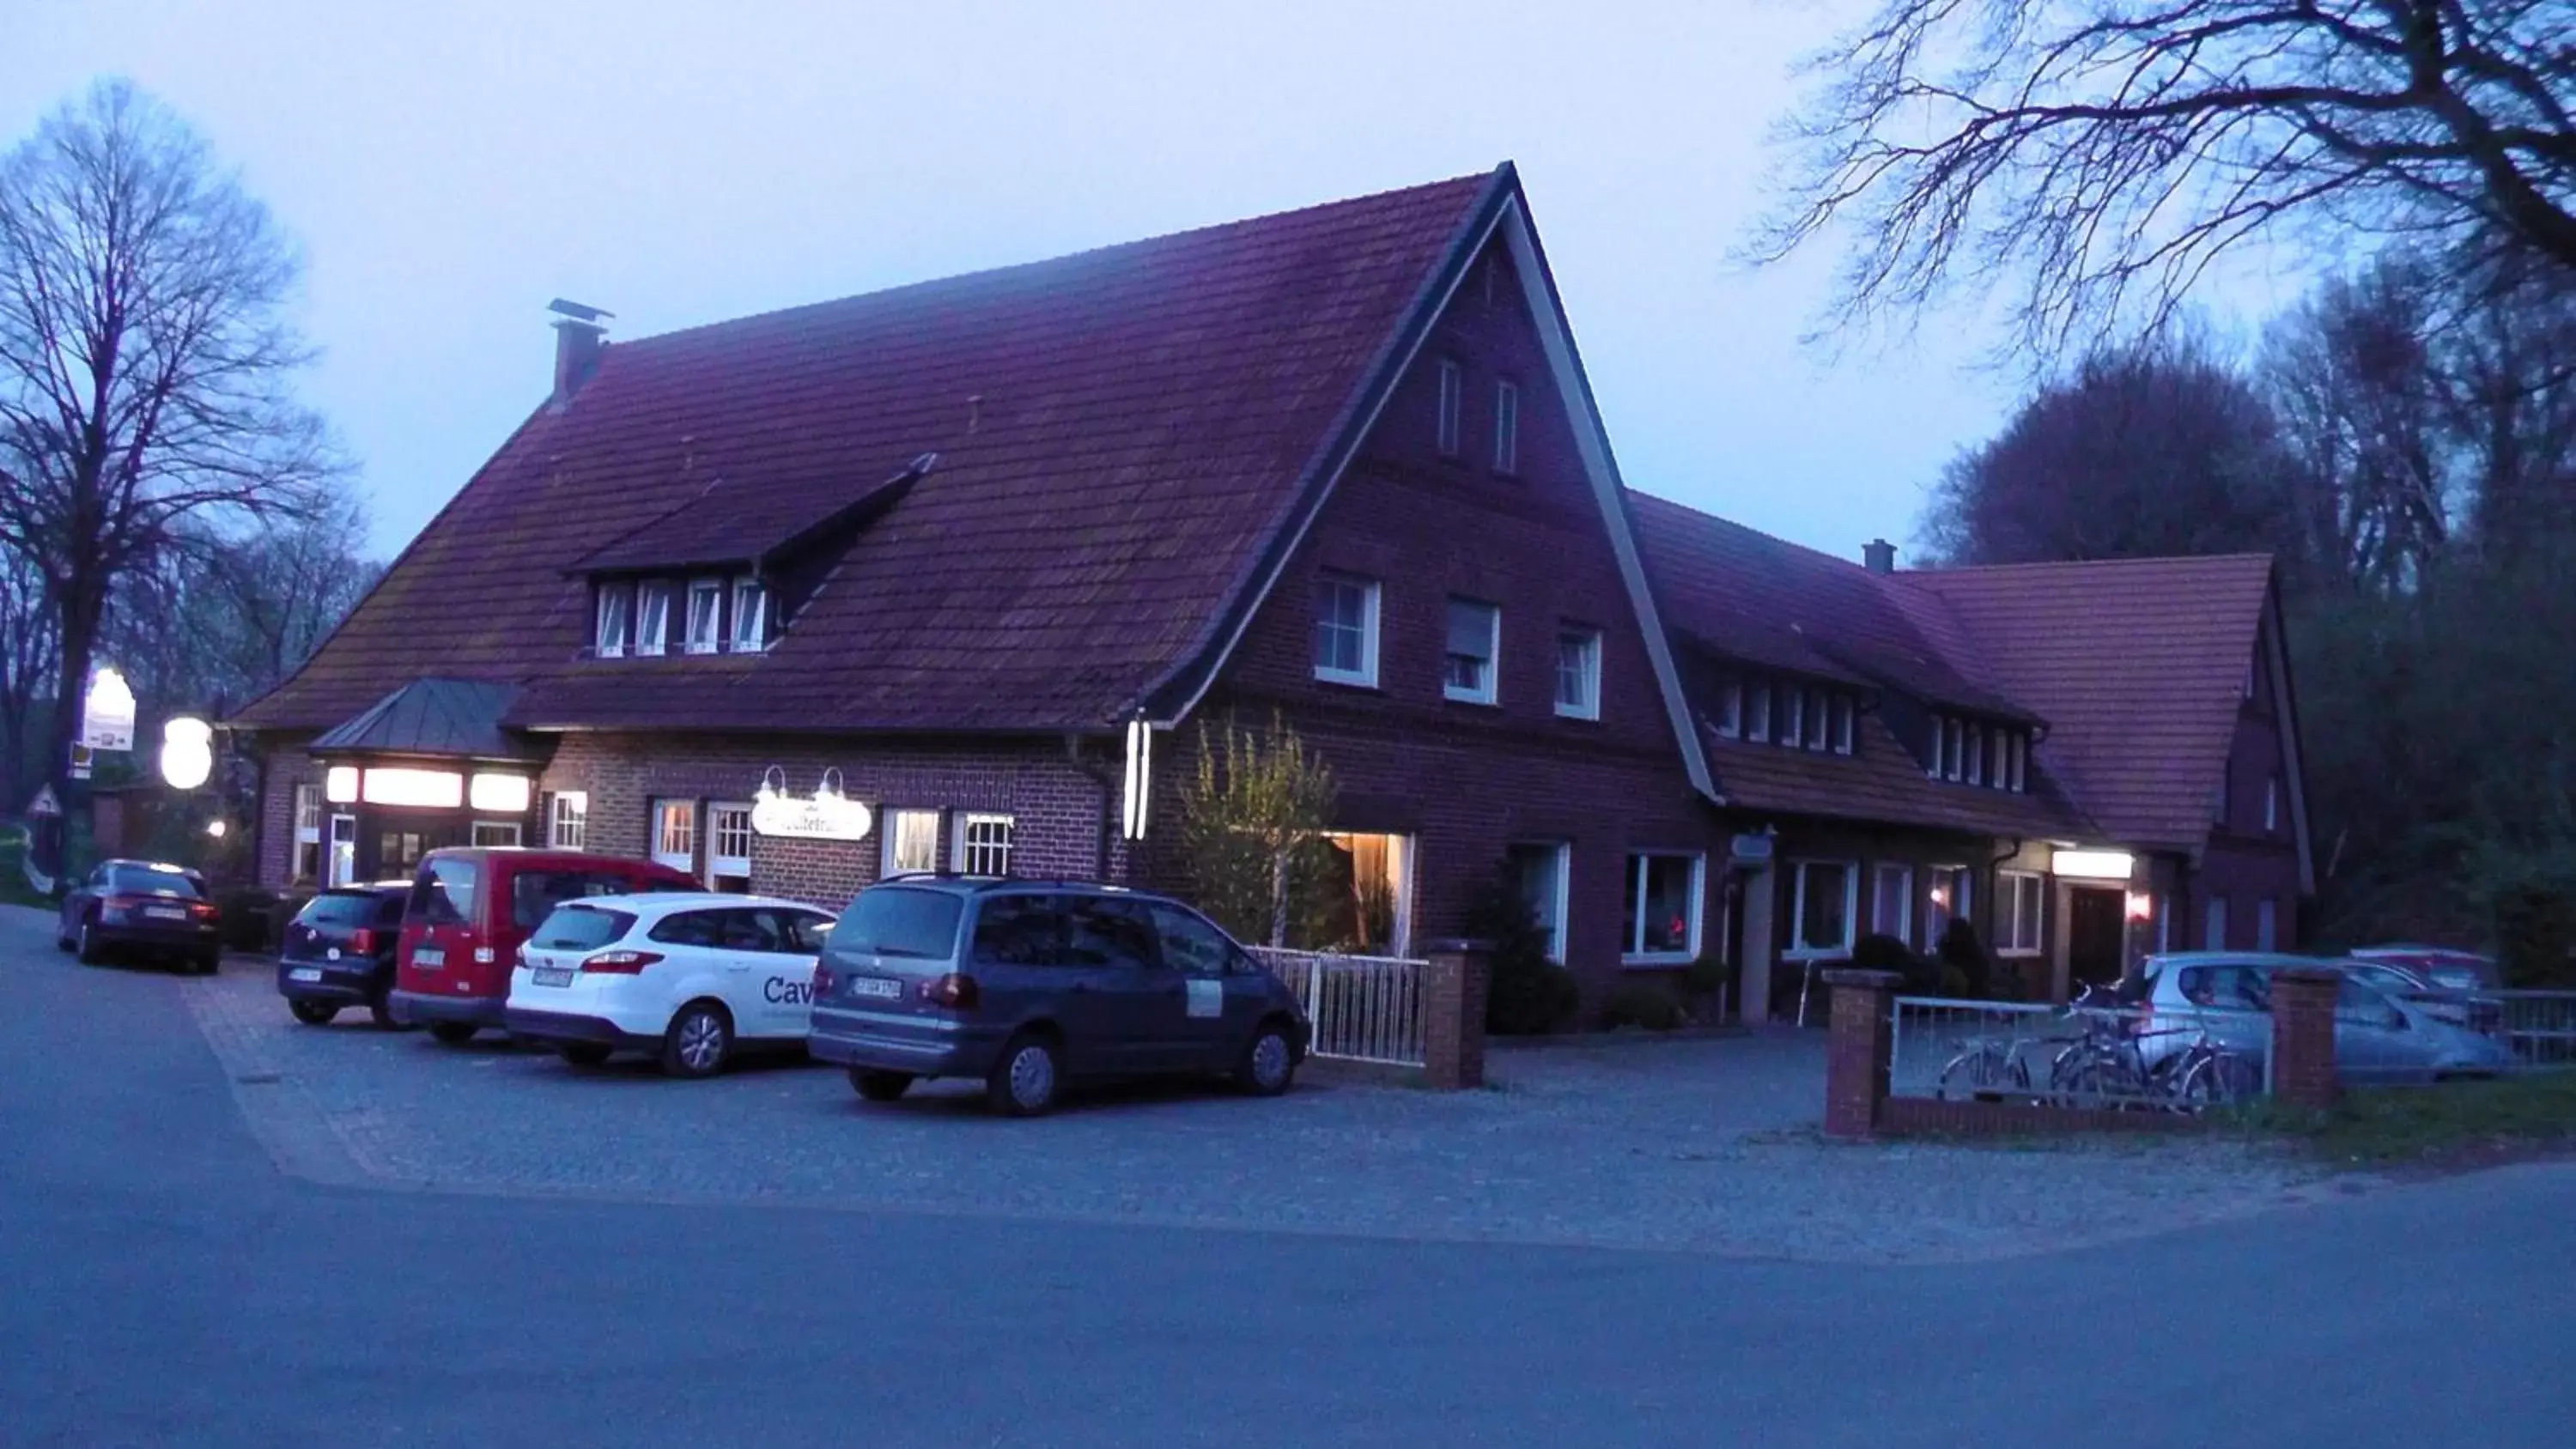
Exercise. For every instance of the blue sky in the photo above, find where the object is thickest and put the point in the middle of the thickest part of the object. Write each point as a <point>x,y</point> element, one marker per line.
<point>448,168</point>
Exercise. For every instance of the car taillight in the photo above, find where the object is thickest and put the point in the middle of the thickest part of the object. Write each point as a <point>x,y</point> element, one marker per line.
<point>955,992</point>
<point>202,910</point>
<point>824,981</point>
<point>619,963</point>
<point>363,940</point>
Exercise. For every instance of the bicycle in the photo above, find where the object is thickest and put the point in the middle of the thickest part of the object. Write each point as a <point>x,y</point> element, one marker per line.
<point>1987,1069</point>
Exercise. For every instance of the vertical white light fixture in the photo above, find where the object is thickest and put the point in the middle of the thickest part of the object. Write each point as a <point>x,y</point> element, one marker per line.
<point>1140,777</point>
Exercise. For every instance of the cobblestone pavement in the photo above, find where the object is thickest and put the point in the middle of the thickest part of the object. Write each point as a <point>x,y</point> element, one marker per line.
<point>1704,1146</point>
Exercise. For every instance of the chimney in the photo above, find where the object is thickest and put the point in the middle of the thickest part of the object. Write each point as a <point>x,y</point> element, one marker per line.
<point>579,340</point>
<point>1879,555</point>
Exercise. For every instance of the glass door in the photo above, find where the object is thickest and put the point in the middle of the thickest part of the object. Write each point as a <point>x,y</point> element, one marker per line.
<point>675,835</point>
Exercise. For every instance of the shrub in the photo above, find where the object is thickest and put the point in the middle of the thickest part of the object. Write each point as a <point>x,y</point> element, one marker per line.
<point>1644,1004</point>
<point>252,918</point>
<point>2535,926</point>
<point>1922,976</point>
<point>1705,983</point>
<point>1963,957</point>
<point>1527,994</point>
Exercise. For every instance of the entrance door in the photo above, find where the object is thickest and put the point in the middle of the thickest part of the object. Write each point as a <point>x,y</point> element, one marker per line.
<point>344,850</point>
<point>2096,921</point>
<point>675,835</point>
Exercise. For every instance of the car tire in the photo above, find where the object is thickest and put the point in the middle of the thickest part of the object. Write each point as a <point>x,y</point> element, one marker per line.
<point>313,1013</point>
<point>452,1033</point>
<point>583,1053</point>
<point>1027,1078</point>
<point>1269,1065</point>
<point>880,1086</point>
<point>92,951</point>
<point>698,1042</point>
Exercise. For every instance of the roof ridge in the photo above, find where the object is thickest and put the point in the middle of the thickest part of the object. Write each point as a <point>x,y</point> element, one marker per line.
<point>1810,549</point>
<point>2130,561</point>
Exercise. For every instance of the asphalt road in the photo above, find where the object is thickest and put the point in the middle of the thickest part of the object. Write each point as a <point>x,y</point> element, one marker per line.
<point>162,1283</point>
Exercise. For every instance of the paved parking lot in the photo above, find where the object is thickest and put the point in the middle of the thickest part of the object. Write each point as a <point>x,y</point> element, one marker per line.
<point>1703,1145</point>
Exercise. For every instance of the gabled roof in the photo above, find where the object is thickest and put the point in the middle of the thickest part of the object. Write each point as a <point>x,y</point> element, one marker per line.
<point>2138,665</point>
<point>1121,435</point>
<point>457,718</point>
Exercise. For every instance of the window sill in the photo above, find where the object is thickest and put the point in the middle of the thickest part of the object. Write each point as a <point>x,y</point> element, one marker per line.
<point>1810,955</point>
<point>1481,701</point>
<point>1348,681</point>
<point>1656,961</point>
<point>2018,952</point>
<point>1579,717</point>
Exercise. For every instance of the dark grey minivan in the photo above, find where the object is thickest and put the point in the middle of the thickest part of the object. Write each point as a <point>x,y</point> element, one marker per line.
<point>1029,985</point>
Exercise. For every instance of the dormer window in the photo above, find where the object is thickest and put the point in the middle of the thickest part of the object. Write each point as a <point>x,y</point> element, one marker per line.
<point>1771,710</point>
<point>706,616</point>
<point>1757,715</point>
<point>616,620</point>
<point>1975,752</point>
<point>750,616</point>
<point>653,619</point>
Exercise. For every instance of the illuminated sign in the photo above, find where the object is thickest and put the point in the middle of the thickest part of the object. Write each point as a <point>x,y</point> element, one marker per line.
<point>417,789</point>
<point>826,814</point>
<point>500,794</point>
<point>2093,865</point>
<point>187,752</point>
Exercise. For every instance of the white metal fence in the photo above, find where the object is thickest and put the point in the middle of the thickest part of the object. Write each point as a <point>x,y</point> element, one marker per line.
<point>1363,1008</point>
<point>2034,1054</point>
<point>2539,1027</point>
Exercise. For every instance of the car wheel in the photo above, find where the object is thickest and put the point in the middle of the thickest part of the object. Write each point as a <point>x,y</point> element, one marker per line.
<point>313,1013</point>
<point>582,1053</point>
<point>93,952</point>
<point>452,1033</point>
<point>880,1086</point>
<point>1024,1082</point>
<point>698,1042</point>
<point>1269,1063</point>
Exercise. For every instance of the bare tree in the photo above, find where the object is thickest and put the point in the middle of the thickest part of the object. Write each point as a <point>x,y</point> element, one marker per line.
<point>211,627</point>
<point>145,360</point>
<point>26,667</point>
<point>2113,148</point>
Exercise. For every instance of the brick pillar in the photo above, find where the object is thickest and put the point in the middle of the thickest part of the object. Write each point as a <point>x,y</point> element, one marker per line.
<point>2303,1037</point>
<point>1456,978</point>
<point>1856,1047</point>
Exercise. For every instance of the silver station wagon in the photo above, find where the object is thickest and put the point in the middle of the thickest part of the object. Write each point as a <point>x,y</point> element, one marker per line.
<point>1031,985</point>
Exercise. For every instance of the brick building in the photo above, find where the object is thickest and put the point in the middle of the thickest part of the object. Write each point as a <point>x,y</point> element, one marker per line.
<point>933,551</point>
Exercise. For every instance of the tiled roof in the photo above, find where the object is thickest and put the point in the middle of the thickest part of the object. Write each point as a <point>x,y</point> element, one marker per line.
<point>2138,666</point>
<point>1121,436</point>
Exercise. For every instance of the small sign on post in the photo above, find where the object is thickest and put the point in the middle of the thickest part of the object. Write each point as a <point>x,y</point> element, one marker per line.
<point>46,804</point>
<point>107,714</point>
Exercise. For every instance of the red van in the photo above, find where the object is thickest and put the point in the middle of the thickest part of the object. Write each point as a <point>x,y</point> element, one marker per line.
<point>469,910</point>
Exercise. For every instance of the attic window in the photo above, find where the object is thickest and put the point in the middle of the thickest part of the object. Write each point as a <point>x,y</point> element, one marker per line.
<point>706,616</point>
<point>616,620</point>
<point>653,625</point>
<point>750,616</point>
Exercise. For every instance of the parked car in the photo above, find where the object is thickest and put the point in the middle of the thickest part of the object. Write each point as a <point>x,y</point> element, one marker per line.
<point>470,908</point>
<point>689,978</point>
<point>1029,985</point>
<point>2378,1038</point>
<point>2446,968</point>
<point>2454,1004</point>
<point>142,908</point>
<point>339,952</point>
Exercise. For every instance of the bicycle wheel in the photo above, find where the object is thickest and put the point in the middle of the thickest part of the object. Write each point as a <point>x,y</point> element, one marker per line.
<point>1982,1074</point>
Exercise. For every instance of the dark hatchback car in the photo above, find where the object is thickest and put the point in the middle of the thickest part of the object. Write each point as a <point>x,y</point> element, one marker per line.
<point>142,908</point>
<point>1029,985</point>
<point>339,952</point>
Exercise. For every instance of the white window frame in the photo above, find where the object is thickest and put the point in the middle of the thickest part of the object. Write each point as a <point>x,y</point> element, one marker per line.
<point>1845,711</point>
<point>2009,884</point>
<point>1792,733</point>
<point>1963,898</point>
<point>656,640</point>
<point>2271,804</point>
<point>972,857</point>
<point>1757,713</point>
<point>1489,678</point>
<point>1448,434</point>
<point>750,616</point>
<point>1564,855</point>
<point>2267,924</point>
<point>1878,876</point>
<point>1975,754</point>
<point>2020,761</point>
<point>1801,949</point>
<point>1730,711</point>
<point>490,833</point>
<point>1630,952</point>
<point>1588,673</point>
<point>1366,674</point>
<point>658,815</point>
<point>720,865</point>
<point>712,592</point>
<point>616,601</point>
<point>1507,426</point>
<point>888,865</point>
<point>308,832</point>
<point>1820,720</point>
<point>568,820</point>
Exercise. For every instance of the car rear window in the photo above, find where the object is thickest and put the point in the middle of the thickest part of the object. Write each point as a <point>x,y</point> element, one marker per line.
<point>160,882</point>
<point>339,908</point>
<point>892,921</point>
<point>580,928</point>
<point>444,893</point>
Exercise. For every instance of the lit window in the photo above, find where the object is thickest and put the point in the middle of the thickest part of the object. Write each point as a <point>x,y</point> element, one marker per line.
<point>1757,714</point>
<point>1730,710</point>
<point>1453,390</point>
<point>2019,898</point>
<point>750,616</point>
<point>1662,909</point>
<point>1824,899</point>
<point>1539,874</point>
<point>1345,629</point>
<point>1578,673</point>
<point>1950,899</point>
<point>1507,427</point>
<point>616,620</point>
<point>569,829</point>
<point>653,619</point>
<point>706,616</point>
<point>1844,709</point>
<point>1467,668</point>
<point>984,844</point>
<point>911,841</point>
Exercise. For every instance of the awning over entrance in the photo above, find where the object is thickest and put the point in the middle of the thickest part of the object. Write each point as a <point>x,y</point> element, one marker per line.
<point>454,718</point>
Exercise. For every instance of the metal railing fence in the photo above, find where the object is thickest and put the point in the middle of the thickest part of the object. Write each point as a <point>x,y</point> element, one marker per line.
<point>1363,1008</point>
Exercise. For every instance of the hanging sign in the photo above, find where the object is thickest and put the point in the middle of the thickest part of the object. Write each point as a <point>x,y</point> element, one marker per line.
<point>824,815</point>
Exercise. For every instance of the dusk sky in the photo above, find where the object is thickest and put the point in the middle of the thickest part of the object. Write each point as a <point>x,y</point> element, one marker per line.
<point>448,169</point>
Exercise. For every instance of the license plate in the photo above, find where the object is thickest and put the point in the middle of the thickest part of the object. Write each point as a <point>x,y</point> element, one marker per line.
<point>429,956</point>
<point>165,913</point>
<point>552,976</point>
<point>875,986</point>
<point>304,973</point>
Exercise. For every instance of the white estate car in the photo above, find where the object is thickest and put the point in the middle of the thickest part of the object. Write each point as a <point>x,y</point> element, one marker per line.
<point>686,977</point>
